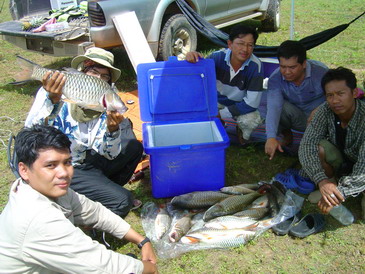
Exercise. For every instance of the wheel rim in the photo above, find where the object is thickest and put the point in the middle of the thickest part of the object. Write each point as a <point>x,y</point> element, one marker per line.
<point>181,44</point>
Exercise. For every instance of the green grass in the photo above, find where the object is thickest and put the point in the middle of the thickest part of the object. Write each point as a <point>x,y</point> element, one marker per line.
<point>336,249</point>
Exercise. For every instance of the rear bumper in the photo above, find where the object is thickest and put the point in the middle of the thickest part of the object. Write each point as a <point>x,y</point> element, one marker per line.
<point>44,42</point>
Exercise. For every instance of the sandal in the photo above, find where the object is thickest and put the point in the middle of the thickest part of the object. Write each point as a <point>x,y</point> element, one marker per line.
<point>139,175</point>
<point>287,180</point>
<point>309,224</point>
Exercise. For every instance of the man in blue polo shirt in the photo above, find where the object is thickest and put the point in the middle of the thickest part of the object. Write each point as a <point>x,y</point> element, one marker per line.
<point>239,76</point>
<point>294,91</point>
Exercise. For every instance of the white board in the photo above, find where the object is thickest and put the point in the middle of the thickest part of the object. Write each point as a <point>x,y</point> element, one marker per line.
<point>133,39</point>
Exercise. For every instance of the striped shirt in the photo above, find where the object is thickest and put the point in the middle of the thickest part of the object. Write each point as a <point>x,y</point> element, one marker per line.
<point>323,127</point>
<point>240,91</point>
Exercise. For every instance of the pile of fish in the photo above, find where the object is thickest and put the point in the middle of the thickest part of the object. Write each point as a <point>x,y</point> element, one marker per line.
<point>214,219</point>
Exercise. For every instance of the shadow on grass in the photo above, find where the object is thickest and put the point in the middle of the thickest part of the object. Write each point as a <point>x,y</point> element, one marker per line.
<point>29,88</point>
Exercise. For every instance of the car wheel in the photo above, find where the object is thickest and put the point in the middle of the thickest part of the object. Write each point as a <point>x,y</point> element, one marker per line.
<point>177,38</point>
<point>272,21</point>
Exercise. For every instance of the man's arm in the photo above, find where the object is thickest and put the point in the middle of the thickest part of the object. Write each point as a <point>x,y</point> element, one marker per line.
<point>308,153</point>
<point>90,213</point>
<point>354,183</point>
<point>55,243</point>
<point>275,102</point>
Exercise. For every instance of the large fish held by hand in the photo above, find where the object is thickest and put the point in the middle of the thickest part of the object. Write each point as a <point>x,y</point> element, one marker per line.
<point>84,90</point>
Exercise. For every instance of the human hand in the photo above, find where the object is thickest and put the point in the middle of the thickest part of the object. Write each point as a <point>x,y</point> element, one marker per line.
<point>324,207</point>
<point>54,85</point>
<point>149,268</point>
<point>113,120</point>
<point>193,56</point>
<point>271,146</point>
<point>148,254</point>
<point>330,194</point>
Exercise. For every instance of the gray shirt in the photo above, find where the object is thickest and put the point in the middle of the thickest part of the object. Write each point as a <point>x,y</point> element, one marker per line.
<point>307,96</point>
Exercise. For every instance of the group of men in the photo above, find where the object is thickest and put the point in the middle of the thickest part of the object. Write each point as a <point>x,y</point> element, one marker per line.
<point>302,95</point>
<point>74,162</point>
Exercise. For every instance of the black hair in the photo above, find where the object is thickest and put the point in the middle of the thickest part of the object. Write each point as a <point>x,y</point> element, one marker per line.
<point>290,48</point>
<point>339,74</point>
<point>30,141</point>
<point>237,30</point>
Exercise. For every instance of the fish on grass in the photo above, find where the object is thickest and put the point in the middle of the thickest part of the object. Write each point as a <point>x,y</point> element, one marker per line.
<point>255,213</point>
<point>236,190</point>
<point>162,222</point>
<point>229,222</point>
<point>86,91</point>
<point>222,238</point>
<point>230,205</point>
<point>198,199</point>
<point>180,227</point>
<point>261,202</point>
<point>240,189</point>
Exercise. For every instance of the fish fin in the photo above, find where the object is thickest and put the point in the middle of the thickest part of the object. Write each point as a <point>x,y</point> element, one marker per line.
<point>192,240</point>
<point>72,70</point>
<point>252,227</point>
<point>69,101</point>
<point>27,69</point>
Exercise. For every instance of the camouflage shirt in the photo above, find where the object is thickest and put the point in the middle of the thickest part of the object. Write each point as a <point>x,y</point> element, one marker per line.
<point>83,136</point>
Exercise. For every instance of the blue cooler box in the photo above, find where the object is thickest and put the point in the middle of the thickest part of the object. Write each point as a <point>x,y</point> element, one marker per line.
<point>186,143</point>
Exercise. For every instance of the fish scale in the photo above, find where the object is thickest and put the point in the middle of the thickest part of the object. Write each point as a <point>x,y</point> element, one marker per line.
<point>84,90</point>
<point>198,199</point>
<point>219,237</point>
<point>254,213</point>
<point>230,205</point>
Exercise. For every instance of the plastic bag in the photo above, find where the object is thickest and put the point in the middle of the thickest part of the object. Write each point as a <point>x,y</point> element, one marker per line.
<point>226,238</point>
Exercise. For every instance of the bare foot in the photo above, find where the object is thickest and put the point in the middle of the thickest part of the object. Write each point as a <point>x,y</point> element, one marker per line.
<point>241,140</point>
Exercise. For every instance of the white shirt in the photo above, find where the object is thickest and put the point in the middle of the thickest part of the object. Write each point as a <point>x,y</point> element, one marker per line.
<point>38,235</point>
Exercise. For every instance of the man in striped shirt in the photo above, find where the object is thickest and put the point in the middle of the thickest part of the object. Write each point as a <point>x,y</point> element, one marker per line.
<point>332,151</point>
<point>239,76</point>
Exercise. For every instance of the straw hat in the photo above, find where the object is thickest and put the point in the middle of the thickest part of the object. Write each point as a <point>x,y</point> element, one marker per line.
<point>99,56</point>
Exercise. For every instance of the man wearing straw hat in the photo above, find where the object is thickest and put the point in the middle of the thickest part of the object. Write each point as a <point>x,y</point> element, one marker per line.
<point>98,177</point>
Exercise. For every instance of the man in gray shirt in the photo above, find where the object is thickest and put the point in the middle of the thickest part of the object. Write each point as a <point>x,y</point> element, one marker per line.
<point>294,91</point>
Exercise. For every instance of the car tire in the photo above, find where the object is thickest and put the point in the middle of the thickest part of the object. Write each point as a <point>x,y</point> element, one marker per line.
<point>177,38</point>
<point>272,21</point>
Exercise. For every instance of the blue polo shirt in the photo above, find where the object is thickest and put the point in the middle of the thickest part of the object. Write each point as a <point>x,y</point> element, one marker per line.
<point>242,92</point>
<point>306,97</point>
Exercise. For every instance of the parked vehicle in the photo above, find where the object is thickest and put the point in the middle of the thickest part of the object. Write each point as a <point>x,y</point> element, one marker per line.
<point>165,27</point>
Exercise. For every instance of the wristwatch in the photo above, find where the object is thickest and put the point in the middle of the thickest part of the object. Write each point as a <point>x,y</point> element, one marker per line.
<point>145,240</point>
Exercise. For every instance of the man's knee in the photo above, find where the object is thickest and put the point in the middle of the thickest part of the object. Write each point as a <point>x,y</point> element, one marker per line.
<point>122,204</point>
<point>292,117</point>
<point>134,146</point>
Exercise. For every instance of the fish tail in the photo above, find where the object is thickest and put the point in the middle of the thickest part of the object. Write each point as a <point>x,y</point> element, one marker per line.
<point>27,70</point>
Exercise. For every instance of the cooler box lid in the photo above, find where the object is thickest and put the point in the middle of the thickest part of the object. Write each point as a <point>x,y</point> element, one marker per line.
<point>177,90</point>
